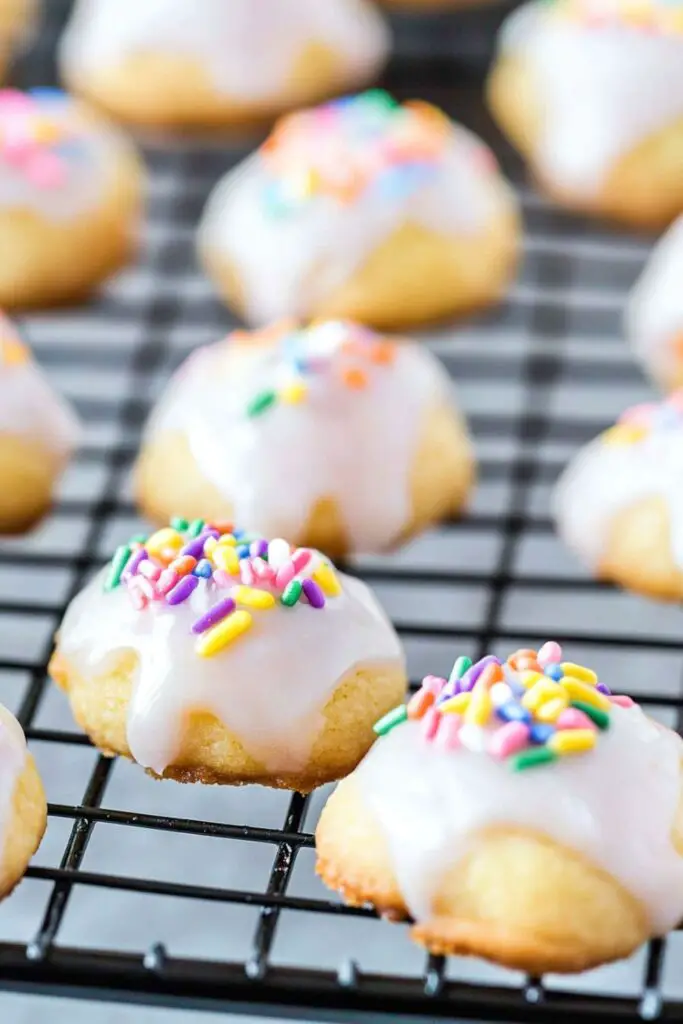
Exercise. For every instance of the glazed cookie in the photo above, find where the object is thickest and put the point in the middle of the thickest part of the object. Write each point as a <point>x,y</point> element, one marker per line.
<point>329,435</point>
<point>69,198</point>
<point>618,503</point>
<point>518,812</point>
<point>38,432</point>
<point>17,18</point>
<point>592,95</point>
<point>217,64</point>
<point>362,209</point>
<point>23,808</point>
<point>215,656</point>
<point>654,314</point>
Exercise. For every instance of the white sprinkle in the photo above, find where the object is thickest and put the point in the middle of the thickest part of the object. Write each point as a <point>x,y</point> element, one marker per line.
<point>500,694</point>
<point>473,737</point>
<point>278,553</point>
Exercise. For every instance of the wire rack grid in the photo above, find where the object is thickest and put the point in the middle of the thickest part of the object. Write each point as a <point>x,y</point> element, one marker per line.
<point>204,897</point>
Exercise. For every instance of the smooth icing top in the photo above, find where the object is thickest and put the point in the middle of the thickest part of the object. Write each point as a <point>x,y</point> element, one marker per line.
<point>604,81</point>
<point>12,761</point>
<point>278,420</point>
<point>332,183</point>
<point>28,405</point>
<point>654,315</point>
<point>53,161</point>
<point>639,458</point>
<point>250,48</point>
<point>254,632</point>
<point>534,743</point>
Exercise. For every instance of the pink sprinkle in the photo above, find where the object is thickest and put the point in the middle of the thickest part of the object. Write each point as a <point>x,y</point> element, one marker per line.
<point>45,170</point>
<point>284,574</point>
<point>549,653</point>
<point>16,146</point>
<point>139,600</point>
<point>430,723</point>
<point>261,569</point>
<point>573,718</point>
<point>509,739</point>
<point>622,700</point>
<point>301,558</point>
<point>167,581</point>
<point>448,736</point>
<point>14,101</point>
<point>247,574</point>
<point>150,570</point>
<point>434,684</point>
<point>140,591</point>
<point>221,578</point>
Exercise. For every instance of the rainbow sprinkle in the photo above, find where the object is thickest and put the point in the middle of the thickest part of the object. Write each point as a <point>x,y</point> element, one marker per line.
<point>343,350</point>
<point>36,138</point>
<point>645,420</point>
<point>12,351</point>
<point>656,17</point>
<point>343,149</point>
<point>527,711</point>
<point>244,571</point>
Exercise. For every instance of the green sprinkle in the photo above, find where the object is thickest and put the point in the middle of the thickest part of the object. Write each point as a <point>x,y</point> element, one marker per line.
<point>291,593</point>
<point>179,524</point>
<point>118,564</point>
<point>195,528</point>
<point>531,758</point>
<point>380,99</point>
<point>597,715</point>
<point>262,402</point>
<point>139,538</point>
<point>460,667</point>
<point>392,718</point>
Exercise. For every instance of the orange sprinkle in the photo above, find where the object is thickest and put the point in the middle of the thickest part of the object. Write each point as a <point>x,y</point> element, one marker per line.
<point>383,353</point>
<point>183,565</point>
<point>420,703</point>
<point>523,652</point>
<point>491,674</point>
<point>355,378</point>
<point>223,526</point>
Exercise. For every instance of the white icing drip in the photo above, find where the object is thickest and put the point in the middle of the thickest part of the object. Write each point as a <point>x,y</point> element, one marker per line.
<point>356,446</point>
<point>654,315</point>
<point>602,91</point>
<point>290,262</point>
<point>268,687</point>
<point>603,480</point>
<point>12,761</point>
<point>249,47</point>
<point>615,805</point>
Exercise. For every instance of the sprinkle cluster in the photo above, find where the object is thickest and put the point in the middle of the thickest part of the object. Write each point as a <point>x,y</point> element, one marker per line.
<point>344,148</point>
<point>244,572</point>
<point>12,351</point>
<point>35,136</point>
<point>527,711</point>
<point>641,421</point>
<point>341,349</point>
<point>656,17</point>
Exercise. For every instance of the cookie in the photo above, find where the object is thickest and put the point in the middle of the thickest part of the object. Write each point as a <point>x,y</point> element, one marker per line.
<point>38,432</point>
<point>70,195</point>
<point>23,808</point>
<point>593,99</point>
<point>363,209</point>
<point>17,18</point>
<point>211,64</point>
<point>212,655</point>
<point>330,435</point>
<point>518,812</point>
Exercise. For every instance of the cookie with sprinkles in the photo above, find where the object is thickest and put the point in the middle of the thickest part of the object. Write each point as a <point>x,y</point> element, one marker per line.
<point>38,432</point>
<point>365,209</point>
<point>331,435</point>
<point>618,503</point>
<point>70,198</point>
<point>517,810</point>
<point>210,654</point>
<point>591,93</point>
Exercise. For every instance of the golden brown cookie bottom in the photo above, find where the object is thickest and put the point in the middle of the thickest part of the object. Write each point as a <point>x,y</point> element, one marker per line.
<point>25,827</point>
<point>28,476</point>
<point>638,553</point>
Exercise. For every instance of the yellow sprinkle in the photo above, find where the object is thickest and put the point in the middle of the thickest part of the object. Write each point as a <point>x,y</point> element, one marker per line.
<point>458,703</point>
<point>252,597</point>
<point>46,132</point>
<point>586,675</point>
<point>479,708</point>
<point>225,558</point>
<point>293,393</point>
<point>209,545</point>
<point>214,640</point>
<point>578,690</point>
<point>164,539</point>
<point>540,692</point>
<point>12,352</point>
<point>551,710</point>
<point>227,540</point>
<point>528,678</point>
<point>624,433</point>
<point>327,578</point>
<point>572,741</point>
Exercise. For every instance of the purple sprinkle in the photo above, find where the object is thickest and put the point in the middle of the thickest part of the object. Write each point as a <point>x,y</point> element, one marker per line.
<point>182,590</point>
<point>469,679</point>
<point>314,594</point>
<point>195,548</point>
<point>258,548</point>
<point>604,689</point>
<point>136,559</point>
<point>214,615</point>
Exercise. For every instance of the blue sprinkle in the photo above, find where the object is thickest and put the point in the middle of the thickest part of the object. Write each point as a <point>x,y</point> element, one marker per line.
<point>238,533</point>
<point>540,732</point>
<point>242,551</point>
<point>513,712</point>
<point>48,95</point>
<point>203,568</point>
<point>554,671</point>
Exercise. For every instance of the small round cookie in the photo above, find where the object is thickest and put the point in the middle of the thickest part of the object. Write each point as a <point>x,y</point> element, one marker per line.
<point>23,808</point>
<point>213,64</point>
<point>654,314</point>
<point>362,209</point>
<point>70,196</point>
<point>592,95</point>
<point>329,435</point>
<point>17,18</point>
<point>619,503</point>
<point>212,655</point>
<point>518,812</point>
<point>38,432</point>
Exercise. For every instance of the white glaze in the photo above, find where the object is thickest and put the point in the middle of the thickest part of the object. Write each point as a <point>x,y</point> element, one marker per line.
<point>12,761</point>
<point>603,480</point>
<point>357,447</point>
<point>601,91</point>
<point>268,687</point>
<point>654,315</point>
<point>289,264</point>
<point>30,408</point>
<point>248,47</point>
<point>616,805</point>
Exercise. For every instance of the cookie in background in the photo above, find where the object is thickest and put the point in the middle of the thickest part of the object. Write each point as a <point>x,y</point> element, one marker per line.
<point>17,21</point>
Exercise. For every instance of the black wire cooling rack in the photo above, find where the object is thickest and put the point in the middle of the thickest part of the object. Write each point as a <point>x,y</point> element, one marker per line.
<point>200,897</point>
